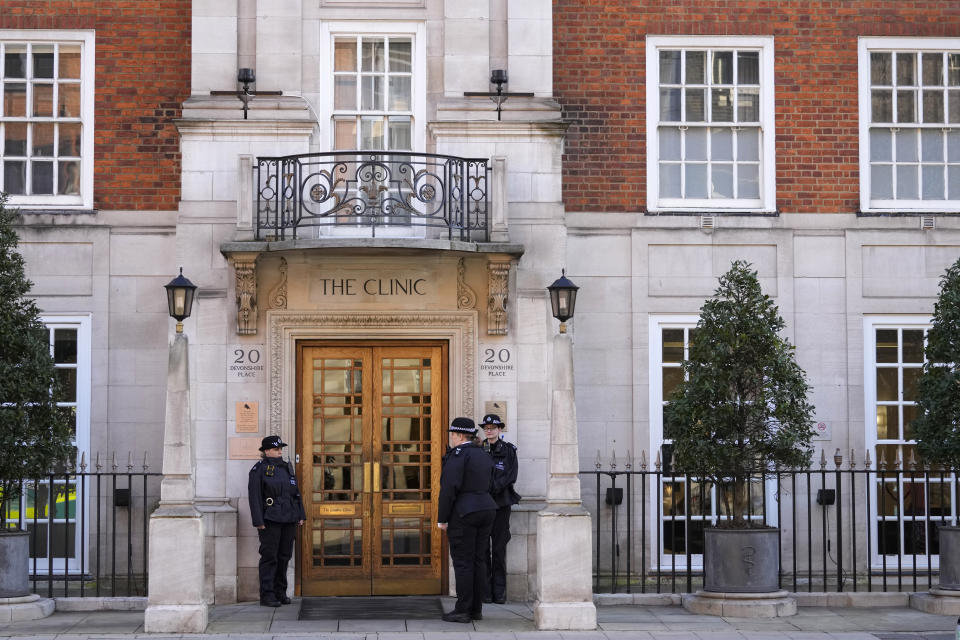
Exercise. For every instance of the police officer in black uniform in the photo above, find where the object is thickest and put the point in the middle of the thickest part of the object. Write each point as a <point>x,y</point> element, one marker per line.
<point>504,455</point>
<point>276,510</point>
<point>466,511</point>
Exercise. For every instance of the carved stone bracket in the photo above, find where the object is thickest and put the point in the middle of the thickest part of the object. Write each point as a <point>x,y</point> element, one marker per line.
<point>466,298</point>
<point>498,285</point>
<point>278,295</point>
<point>245,267</point>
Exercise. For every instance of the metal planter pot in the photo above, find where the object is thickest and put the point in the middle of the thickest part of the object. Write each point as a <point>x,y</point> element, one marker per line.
<point>741,560</point>
<point>950,558</point>
<point>14,563</point>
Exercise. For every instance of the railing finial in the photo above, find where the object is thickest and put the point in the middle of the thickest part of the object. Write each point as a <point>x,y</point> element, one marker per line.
<point>599,463</point>
<point>629,464</point>
<point>823,459</point>
<point>837,458</point>
<point>866,460</point>
<point>643,459</point>
<point>83,461</point>
<point>145,465</point>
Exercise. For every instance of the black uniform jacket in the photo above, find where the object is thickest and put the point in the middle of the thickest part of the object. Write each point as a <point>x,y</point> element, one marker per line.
<point>273,493</point>
<point>504,456</point>
<point>465,482</point>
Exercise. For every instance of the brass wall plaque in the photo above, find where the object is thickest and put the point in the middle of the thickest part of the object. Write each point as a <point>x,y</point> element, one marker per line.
<point>334,509</point>
<point>243,448</point>
<point>247,417</point>
<point>404,509</point>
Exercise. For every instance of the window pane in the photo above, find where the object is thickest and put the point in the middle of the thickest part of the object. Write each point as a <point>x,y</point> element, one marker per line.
<point>68,178</point>
<point>400,56</point>
<point>372,55</point>
<point>15,61</point>
<point>888,422</point>
<point>670,67</point>
<point>906,68</point>
<point>933,183</point>
<point>69,141</point>
<point>887,384</point>
<point>69,61</point>
<point>748,181</point>
<point>345,137</point>
<point>43,61</point>
<point>748,144</point>
<point>672,377</point>
<point>345,55</point>
<point>906,106</point>
<point>400,137</point>
<point>721,105</point>
<point>43,100</point>
<point>68,100</point>
<point>953,106</point>
<point>953,69</point>
<point>669,144</point>
<point>913,345</point>
<point>672,345</point>
<point>696,140</point>
<point>15,139</point>
<point>721,144</point>
<point>400,93</point>
<point>748,105</point>
<point>909,415</point>
<point>953,182</point>
<point>42,175</point>
<point>696,108</point>
<point>881,145</point>
<point>722,67</point>
<point>933,106</point>
<point>722,181</point>
<point>43,139</point>
<point>880,64</point>
<point>886,345</point>
<point>15,176</point>
<point>881,182</point>
<point>907,183</point>
<point>371,133</point>
<point>371,98</point>
<point>910,375</point>
<point>15,99</point>
<point>696,181</point>
<point>345,92</point>
<point>953,145</point>
<point>696,67</point>
<point>931,145</point>
<point>933,69</point>
<point>670,180</point>
<point>670,105</point>
<point>748,67</point>
<point>881,106</point>
<point>907,145</point>
<point>68,385</point>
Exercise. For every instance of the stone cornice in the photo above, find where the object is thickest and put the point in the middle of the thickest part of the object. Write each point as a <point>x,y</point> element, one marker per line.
<point>401,245</point>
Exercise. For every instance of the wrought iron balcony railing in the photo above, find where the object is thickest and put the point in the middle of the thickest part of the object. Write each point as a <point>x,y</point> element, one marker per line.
<point>347,193</point>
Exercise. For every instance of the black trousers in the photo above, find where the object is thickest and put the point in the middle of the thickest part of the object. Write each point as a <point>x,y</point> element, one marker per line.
<point>468,536</point>
<point>276,549</point>
<point>496,555</point>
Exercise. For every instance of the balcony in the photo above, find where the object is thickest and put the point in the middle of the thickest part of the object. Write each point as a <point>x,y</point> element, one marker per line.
<point>363,194</point>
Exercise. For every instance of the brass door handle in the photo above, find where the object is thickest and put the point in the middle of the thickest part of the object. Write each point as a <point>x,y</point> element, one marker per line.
<point>376,477</point>
<point>366,477</point>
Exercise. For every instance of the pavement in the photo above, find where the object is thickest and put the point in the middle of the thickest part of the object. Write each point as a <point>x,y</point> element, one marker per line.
<point>512,621</point>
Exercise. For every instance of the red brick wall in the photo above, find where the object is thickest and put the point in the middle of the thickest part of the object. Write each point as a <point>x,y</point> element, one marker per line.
<point>142,77</point>
<point>599,78</point>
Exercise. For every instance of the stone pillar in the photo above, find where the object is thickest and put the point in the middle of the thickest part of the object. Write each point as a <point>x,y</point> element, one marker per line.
<point>176,601</point>
<point>564,594</point>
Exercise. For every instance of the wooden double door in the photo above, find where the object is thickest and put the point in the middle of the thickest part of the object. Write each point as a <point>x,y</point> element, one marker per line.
<point>371,439</point>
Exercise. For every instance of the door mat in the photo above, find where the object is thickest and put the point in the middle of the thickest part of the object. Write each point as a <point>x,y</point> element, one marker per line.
<point>372,608</point>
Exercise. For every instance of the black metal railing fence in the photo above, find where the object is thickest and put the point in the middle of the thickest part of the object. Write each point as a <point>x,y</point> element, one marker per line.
<point>372,189</point>
<point>88,528</point>
<point>848,527</point>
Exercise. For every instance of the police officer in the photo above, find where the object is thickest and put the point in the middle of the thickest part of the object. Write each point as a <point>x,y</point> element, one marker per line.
<point>504,455</point>
<point>276,510</point>
<point>466,511</point>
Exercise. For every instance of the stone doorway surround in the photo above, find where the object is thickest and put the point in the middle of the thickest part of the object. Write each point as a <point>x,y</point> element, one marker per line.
<point>285,328</point>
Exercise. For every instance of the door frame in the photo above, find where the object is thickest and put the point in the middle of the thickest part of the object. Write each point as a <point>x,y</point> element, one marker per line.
<point>285,328</point>
<point>436,426</point>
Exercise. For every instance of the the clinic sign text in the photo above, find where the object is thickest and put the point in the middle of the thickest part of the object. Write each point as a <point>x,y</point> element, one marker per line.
<point>371,286</point>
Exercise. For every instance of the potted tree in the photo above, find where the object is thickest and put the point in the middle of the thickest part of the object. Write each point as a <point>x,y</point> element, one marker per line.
<point>741,412</point>
<point>937,426</point>
<point>34,435</point>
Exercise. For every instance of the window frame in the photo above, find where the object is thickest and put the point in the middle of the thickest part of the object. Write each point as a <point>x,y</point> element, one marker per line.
<point>876,44</point>
<point>766,203</point>
<point>86,40</point>
<point>416,31</point>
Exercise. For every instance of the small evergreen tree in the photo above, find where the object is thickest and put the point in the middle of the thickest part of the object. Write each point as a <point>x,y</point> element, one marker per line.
<point>742,408</point>
<point>937,426</point>
<point>34,435</point>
